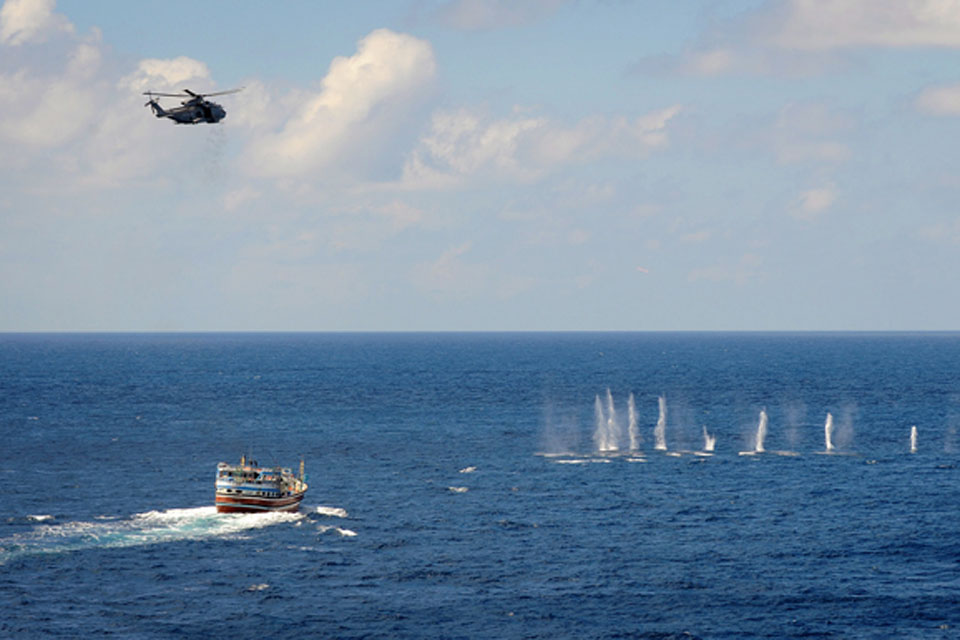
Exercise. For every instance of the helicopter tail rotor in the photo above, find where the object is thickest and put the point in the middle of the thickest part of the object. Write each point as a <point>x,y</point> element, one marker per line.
<point>154,105</point>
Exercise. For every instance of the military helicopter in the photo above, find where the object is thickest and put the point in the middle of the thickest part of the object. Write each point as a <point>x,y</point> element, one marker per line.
<point>193,110</point>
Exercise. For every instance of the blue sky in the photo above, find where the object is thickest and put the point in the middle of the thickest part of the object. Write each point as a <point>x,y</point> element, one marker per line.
<point>482,165</point>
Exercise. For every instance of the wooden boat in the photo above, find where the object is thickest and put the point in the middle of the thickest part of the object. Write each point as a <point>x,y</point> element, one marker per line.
<point>249,488</point>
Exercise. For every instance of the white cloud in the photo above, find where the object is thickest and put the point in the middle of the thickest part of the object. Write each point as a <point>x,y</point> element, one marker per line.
<point>462,144</point>
<point>167,75</point>
<point>805,37</point>
<point>50,110</point>
<point>62,109</point>
<point>821,25</point>
<point>360,97</point>
<point>43,110</point>
<point>255,109</point>
<point>597,137</point>
<point>26,21</point>
<point>477,15</point>
<point>940,101</point>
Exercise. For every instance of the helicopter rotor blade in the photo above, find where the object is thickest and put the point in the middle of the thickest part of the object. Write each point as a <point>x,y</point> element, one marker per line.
<point>165,95</point>
<point>218,93</point>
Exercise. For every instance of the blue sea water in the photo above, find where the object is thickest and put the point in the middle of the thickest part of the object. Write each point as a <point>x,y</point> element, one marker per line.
<point>456,489</point>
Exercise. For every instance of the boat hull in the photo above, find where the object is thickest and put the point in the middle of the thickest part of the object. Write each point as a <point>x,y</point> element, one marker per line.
<point>238,504</point>
<point>249,488</point>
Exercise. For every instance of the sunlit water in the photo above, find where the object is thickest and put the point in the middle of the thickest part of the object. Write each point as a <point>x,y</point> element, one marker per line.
<point>459,488</point>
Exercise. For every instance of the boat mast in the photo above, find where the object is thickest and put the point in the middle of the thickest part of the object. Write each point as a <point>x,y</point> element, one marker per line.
<point>301,469</point>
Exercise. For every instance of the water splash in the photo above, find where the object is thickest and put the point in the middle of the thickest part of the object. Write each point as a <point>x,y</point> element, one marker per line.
<point>606,432</point>
<point>660,431</point>
<point>632,423</point>
<point>709,441</point>
<point>600,426</point>
<point>913,439</point>
<point>828,433</point>
<point>761,432</point>
<point>613,440</point>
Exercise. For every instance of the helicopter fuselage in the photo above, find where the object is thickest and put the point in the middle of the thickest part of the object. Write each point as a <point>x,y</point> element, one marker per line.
<point>193,111</point>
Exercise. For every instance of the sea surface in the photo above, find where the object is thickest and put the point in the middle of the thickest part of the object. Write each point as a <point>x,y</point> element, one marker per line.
<point>483,485</point>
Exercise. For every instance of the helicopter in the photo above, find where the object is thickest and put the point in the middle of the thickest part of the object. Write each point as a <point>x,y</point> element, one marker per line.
<point>194,110</point>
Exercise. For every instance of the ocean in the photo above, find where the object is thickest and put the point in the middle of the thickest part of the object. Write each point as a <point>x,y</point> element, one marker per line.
<point>483,485</point>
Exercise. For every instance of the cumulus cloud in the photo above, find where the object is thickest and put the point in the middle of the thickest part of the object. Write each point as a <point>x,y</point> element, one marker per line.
<point>463,144</point>
<point>359,95</point>
<point>47,109</point>
<point>66,109</point>
<point>43,112</point>
<point>166,75</point>
<point>26,21</point>
<point>478,15</point>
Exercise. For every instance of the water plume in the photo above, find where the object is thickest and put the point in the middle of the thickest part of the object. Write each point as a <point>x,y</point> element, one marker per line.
<point>660,431</point>
<point>612,439</point>
<point>761,432</point>
<point>600,426</point>
<point>913,439</point>
<point>632,423</point>
<point>709,441</point>
<point>828,433</point>
<point>605,425</point>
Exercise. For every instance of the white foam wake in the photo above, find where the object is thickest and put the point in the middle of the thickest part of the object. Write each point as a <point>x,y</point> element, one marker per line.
<point>150,527</point>
<point>43,517</point>
<point>344,533</point>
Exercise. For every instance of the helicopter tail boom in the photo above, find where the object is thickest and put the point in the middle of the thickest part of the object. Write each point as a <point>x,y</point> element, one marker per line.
<point>157,109</point>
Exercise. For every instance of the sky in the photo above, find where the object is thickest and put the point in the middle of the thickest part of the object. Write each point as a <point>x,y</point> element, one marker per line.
<point>482,165</point>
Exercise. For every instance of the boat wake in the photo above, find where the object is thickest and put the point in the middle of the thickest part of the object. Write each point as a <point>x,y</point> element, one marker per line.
<point>336,512</point>
<point>151,527</point>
